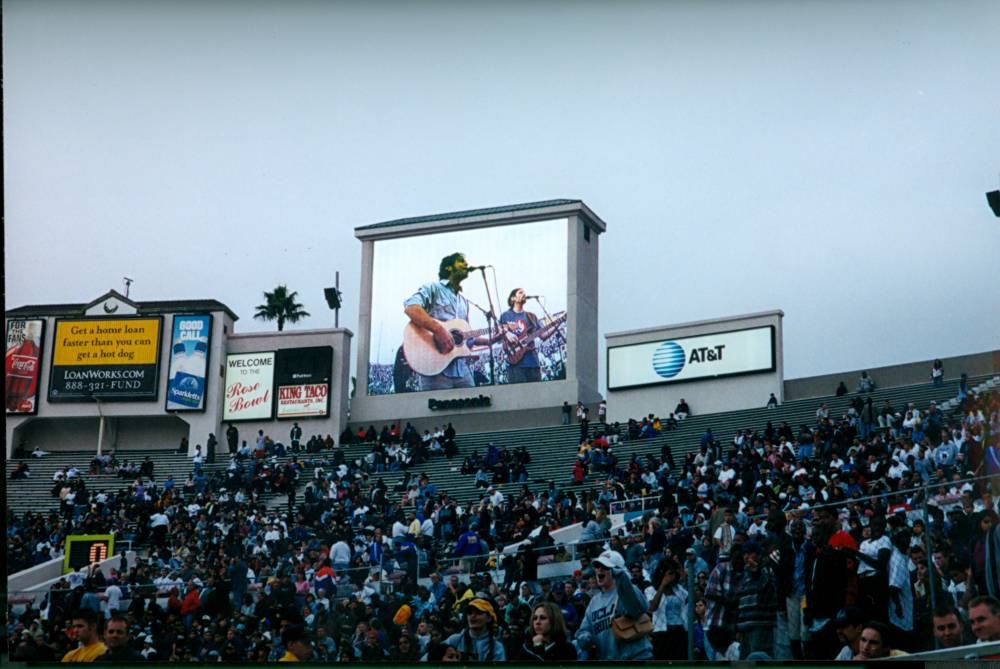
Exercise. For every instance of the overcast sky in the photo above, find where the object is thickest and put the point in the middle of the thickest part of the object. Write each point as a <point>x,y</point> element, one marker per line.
<point>824,158</point>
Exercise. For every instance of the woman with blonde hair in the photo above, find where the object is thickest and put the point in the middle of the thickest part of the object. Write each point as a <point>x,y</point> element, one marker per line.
<point>546,640</point>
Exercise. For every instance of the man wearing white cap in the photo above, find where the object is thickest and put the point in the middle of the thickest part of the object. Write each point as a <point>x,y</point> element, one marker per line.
<point>617,597</point>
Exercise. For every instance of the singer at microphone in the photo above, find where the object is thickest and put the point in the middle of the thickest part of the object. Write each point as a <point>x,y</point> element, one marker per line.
<point>519,327</point>
<point>433,305</point>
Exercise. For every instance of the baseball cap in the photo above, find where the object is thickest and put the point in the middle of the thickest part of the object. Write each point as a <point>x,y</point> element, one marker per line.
<point>610,560</point>
<point>482,605</point>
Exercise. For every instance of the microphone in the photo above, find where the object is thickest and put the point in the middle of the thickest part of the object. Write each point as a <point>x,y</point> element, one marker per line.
<point>532,297</point>
<point>479,267</point>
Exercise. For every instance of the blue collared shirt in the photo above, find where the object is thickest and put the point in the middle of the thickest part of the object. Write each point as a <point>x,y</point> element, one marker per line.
<point>443,304</point>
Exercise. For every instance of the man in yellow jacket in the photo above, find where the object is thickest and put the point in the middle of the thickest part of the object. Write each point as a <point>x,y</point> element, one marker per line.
<point>85,631</point>
<point>298,647</point>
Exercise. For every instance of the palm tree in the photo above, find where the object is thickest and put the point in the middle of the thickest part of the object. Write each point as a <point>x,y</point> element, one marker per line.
<point>280,305</point>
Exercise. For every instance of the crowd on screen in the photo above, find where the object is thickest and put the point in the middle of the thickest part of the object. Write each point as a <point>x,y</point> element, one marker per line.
<point>805,543</point>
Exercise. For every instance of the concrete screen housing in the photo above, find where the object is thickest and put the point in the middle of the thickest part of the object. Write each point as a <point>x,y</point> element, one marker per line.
<point>516,405</point>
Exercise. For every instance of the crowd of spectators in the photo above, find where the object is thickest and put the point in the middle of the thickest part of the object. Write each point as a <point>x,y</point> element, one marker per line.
<point>808,543</point>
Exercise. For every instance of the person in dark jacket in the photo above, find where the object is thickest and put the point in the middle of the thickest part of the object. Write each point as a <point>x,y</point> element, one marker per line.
<point>826,572</point>
<point>548,642</point>
<point>116,638</point>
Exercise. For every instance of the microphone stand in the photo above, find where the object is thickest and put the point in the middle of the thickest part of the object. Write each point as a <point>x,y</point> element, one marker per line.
<point>491,326</point>
<point>559,336</point>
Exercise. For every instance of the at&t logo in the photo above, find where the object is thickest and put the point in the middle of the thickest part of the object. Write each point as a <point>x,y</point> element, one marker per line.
<point>668,359</point>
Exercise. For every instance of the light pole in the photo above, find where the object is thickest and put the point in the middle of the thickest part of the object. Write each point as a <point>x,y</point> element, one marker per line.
<point>333,299</point>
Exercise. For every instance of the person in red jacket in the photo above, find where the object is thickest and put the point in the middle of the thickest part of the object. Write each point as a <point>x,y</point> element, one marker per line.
<point>190,604</point>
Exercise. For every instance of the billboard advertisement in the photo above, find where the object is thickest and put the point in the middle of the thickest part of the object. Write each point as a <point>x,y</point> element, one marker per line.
<point>302,379</point>
<point>189,346</point>
<point>690,358</point>
<point>469,308</point>
<point>24,363</point>
<point>109,359</point>
<point>249,383</point>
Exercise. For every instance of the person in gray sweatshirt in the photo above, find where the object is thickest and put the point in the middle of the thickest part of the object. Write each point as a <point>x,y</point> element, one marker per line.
<point>617,597</point>
<point>480,641</point>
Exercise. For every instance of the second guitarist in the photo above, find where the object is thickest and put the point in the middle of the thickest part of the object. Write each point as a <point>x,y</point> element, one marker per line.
<point>517,323</point>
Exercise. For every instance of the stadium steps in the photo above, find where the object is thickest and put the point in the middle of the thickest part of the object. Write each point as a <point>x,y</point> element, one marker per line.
<point>35,493</point>
<point>553,449</point>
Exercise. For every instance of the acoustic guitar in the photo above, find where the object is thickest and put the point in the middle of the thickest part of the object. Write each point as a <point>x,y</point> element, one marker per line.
<point>422,352</point>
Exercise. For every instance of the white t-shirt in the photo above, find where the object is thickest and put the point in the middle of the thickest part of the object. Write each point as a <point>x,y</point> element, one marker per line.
<point>114,594</point>
<point>871,548</point>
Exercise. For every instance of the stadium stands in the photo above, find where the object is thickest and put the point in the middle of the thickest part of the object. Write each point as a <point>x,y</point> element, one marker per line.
<point>328,542</point>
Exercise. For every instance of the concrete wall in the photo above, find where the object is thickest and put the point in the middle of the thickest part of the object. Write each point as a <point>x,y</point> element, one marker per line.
<point>703,396</point>
<point>518,405</point>
<point>973,364</point>
<point>137,434</point>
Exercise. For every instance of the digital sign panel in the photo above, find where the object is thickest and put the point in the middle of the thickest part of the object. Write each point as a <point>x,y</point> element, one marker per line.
<point>302,380</point>
<point>83,550</point>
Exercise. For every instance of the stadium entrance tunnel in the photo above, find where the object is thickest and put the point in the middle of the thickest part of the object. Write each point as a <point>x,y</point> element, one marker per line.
<point>120,433</point>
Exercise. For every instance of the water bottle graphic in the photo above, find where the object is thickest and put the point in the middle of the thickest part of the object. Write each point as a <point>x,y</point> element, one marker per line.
<point>187,384</point>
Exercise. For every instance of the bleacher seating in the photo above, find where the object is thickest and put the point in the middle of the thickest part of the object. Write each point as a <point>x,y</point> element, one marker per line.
<point>553,450</point>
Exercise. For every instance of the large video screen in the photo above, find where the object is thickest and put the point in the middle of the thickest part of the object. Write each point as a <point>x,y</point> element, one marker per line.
<point>110,359</point>
<point>429,324</point>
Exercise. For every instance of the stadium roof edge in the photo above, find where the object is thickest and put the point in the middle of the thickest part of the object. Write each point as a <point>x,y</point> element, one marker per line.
<point>510,213</point>
<point>145,307</point>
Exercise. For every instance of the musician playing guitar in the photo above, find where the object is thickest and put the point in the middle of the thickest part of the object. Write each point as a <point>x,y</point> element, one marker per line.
<point>516,323</point>
<point>434,303</point>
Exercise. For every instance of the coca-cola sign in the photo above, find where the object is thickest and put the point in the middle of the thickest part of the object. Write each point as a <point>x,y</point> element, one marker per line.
<point>249,386</point>
<point>22,364</point>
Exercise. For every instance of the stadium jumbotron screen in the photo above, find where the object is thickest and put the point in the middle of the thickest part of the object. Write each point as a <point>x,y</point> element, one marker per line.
<point>429,329</point>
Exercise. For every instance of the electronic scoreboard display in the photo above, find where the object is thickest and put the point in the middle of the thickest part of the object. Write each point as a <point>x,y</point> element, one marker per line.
<point>83,550</point>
